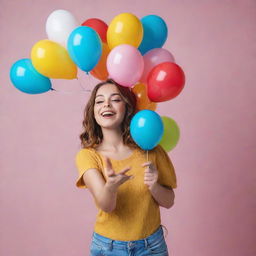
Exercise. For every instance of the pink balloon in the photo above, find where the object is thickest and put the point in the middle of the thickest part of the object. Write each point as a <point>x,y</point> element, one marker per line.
<point>125,65</point>
<point>154,57</point>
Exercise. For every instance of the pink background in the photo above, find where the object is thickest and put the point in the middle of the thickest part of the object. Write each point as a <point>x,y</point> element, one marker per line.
<point>43,213</point>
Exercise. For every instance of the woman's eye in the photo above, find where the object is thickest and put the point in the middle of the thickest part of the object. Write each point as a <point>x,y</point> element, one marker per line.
<point>101,101</point>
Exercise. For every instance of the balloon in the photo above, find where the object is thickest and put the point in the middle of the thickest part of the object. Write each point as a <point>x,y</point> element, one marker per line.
<point>59,25</point>
<point>143,102</point>
<point>171,134</point>
<point>84,47</point>
<point>165,81</point>
<point>99,26</point>
<point>125,65</point>
<point>155,33</point>
<point>125,28</point>
<point>146,129</point>
<point>100,71</point>
<point>26,79</point>
<point>153,58</point>
<point>52,60</point>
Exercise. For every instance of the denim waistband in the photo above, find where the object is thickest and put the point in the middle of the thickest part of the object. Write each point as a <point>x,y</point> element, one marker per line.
<point>107,242</point>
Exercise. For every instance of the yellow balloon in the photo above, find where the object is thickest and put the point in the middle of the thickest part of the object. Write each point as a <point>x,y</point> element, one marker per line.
<point>125,28</point>
<point>52,60</point>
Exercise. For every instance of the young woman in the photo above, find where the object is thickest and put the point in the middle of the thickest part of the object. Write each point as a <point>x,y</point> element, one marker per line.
<point>127,188</point>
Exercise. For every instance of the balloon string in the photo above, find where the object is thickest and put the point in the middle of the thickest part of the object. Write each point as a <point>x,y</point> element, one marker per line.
<point>52,89</point>
<point>90,79</point>
<point>147,155</point>
<point>80,84</point>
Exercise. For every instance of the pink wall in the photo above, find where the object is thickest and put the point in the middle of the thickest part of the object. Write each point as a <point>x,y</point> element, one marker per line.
<point>43,213</point>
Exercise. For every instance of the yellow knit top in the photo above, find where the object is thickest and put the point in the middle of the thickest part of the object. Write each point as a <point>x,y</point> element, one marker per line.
<point>137,214</point>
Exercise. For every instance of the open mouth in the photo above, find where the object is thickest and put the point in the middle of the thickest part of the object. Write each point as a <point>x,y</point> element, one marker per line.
<point>108,114</point>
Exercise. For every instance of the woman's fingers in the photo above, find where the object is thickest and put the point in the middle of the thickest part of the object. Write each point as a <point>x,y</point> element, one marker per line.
<point>109,169</point>
<point>125,170</point>
<point>108,163</point>
<point>126,178</point>
<point>149,164</point>
<point>119,177</point>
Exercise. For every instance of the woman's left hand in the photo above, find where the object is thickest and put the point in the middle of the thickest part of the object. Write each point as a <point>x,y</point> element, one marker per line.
<point>150,174</point>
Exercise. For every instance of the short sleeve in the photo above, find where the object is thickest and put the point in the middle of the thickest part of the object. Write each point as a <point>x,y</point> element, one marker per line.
<point>166,172</point>
<point>85,159</point>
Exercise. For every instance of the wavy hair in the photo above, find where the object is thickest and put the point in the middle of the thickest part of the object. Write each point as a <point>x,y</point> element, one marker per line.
<point>92,133</point>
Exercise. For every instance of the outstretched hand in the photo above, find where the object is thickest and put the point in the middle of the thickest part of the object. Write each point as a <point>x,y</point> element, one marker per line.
<point>115,180</point>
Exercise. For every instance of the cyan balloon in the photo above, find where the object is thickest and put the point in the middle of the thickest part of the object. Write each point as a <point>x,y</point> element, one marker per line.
<point>155,33</point>
<point>146,129</point>
<point>26,78</point>
<point>84,47</point>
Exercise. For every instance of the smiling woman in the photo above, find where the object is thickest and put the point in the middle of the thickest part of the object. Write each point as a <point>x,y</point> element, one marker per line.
<point>126,188</point>
<point>108,95</point>
<point>109,105</point>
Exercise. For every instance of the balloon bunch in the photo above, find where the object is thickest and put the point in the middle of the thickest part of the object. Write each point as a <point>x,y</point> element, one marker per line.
<point>137,60</point>
<point>129,51</point>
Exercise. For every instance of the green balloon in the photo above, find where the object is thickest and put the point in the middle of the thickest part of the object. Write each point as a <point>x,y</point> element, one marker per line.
<point>171,134</point>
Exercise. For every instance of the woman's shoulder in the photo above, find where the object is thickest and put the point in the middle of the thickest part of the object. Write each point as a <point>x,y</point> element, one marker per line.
<point>158,150</point>
<point>86,152</point>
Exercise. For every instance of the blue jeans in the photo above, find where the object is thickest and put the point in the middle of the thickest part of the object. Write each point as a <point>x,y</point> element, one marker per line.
<point>152,245</point>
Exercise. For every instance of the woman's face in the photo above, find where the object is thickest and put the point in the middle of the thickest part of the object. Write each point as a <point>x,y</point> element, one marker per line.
<point>109,107</point>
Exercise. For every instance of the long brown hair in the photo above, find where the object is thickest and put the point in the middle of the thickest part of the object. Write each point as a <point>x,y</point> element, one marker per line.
<point>92,134</point>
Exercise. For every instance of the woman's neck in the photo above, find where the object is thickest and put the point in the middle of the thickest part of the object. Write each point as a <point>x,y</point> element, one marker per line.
<point>112,140</point>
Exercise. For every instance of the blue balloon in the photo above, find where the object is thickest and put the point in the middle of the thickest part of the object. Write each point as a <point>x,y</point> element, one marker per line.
<point>146,129</point>
<point>26,78</point>
<point>155,33</point>
<point>84,47</point>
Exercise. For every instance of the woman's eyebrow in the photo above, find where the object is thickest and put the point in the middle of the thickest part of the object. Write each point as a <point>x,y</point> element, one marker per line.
<point>110,95</point>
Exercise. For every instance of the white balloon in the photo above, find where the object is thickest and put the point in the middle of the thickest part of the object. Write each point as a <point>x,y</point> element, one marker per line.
<point>59,25</point>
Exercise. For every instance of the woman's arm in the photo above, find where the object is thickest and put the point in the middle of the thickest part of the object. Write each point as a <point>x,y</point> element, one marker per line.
<point>163,195</point>
<point>105,196</point>
<point>105,193</point>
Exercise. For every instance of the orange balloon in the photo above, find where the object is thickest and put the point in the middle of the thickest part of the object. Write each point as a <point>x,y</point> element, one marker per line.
<point>143,101</point>
<point>100,71</point>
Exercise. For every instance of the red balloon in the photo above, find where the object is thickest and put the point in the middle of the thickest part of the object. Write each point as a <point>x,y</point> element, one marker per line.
<point>99,26</point>
<point>165,81</point>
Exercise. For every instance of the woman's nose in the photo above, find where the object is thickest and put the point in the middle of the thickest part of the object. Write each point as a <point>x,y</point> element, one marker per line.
<point>107,104</point>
